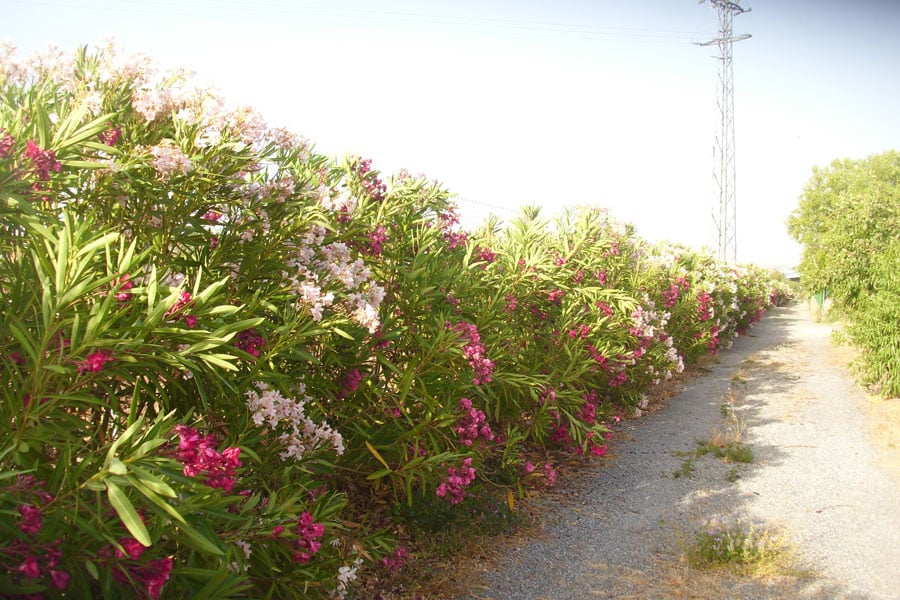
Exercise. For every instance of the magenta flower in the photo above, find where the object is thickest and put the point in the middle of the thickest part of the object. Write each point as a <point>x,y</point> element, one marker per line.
<point>43,161</point>
<point>350,382</point>
<point>250,342</point>
<point>474,351</point>
<point>458,479</point>
<point>200,457</point>
<point>377,238</point>
<point>59,579</point>
<point>30,567</point>
<point>110,136</point>
<point>6,143</point>
<point>123,284</point>
<point>95,361</point>
<point>472,424</point>
<point>31,519</point>
<point>133,548</point>
<point>555,295</point>
<point>485,255</point>
<point>308,535</point>
<point>395,561</point>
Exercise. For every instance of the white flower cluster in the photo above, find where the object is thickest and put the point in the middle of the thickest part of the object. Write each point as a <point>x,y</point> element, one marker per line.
<point>169,158</point>
<point>342,202</point>
<point>271,409</point>
<point>334,265</point>
<point>346,575</point>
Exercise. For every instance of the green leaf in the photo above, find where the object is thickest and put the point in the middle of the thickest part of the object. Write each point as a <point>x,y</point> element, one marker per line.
<point>197,541</point>
<point>128,514</point>
<point>92,569</point>
<point>117,467</point>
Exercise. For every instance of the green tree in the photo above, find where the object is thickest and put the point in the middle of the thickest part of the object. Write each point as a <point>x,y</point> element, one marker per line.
<point>847,222</point>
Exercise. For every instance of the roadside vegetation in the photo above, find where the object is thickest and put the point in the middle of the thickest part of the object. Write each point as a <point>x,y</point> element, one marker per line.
<point>232,367</point>
<point>848,222</point>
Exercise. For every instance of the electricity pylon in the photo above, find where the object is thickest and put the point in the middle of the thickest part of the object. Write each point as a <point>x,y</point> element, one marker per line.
<point>725,212</point>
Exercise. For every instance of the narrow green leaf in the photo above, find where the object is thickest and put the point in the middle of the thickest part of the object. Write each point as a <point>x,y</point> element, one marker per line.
<point>198,541</point>
<point>127,514</point>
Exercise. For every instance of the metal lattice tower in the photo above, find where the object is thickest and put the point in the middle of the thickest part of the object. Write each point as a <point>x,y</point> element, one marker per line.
<point>725,212</point>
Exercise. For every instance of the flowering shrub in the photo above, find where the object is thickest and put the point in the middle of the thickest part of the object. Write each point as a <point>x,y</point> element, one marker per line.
<point>217,344</point>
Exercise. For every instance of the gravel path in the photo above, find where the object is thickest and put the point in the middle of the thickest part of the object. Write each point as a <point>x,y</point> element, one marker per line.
<point>618,531</point>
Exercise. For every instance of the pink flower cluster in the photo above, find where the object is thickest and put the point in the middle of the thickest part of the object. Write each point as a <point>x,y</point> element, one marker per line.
<point>555,295</point>
<point>377,237</point>
<point>583,332</point>
<point>456,239</point>
<point>95,361</point>
<point>395,561</point>
<point>199,455</point>
<point>485,255</point>
<point>250,342</point>
<point>149,577</point>
<point>183,301</point>
<point>458,479</point>
<point>511,303</point>
<point>43,161</point>
<point>110,136</point>
<point>350,382</point>
<point>7,141</point>
<point>375,187</point>
<point>308,535</point>
<point>472,424</point>
<point>474,351</point>
<point>37,561</point>
<point>705,310</point>
<point>604,307</point>
<point>122,285</point>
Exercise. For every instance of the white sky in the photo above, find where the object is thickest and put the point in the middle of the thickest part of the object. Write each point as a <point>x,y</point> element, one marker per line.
<point>556,103</point>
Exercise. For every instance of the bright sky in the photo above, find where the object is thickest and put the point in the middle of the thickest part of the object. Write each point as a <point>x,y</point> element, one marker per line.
<point>555,103</point>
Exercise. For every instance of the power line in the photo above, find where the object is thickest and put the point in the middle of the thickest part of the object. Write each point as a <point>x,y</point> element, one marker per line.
<point>348,17</point>
<point>725,210</point>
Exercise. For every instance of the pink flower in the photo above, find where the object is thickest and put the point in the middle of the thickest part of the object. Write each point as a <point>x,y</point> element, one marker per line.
<point>183,300</point>
<point>277,531</point>
<point>555,295</point>
<point>30,567</point>
<point>350,382</point>
<point>377,238</point>
<point>199,456</point>
<point>250,342</point>
<point>16,358</point>
<point>154,576</point>
<point>31,519</point>
<point>395,561</point>
<point>133,548</point>
<point>95,361</point>
<point>59,579</point>
<point>550,474</point>
<point>458,479</point>
<point>472,424</point>
<point>43,161</point>
<point>110,136</point>
<point>485,255</point>
<point>308,535</point>
<point>123,284</point>
<point>6,143</point>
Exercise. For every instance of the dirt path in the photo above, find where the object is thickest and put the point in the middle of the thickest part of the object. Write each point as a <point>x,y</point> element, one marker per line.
<point>619,532</point>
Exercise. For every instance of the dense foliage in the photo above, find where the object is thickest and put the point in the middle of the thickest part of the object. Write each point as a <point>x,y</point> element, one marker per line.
<point>217,346</point>
<point>848,223</point>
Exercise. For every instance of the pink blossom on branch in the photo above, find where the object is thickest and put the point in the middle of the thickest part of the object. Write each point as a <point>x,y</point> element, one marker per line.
<point>43,161</point>
<point>95,361</point>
